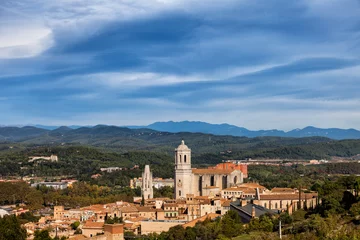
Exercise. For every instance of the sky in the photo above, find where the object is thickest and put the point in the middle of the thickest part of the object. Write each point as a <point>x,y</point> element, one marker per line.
<point>252,63</point>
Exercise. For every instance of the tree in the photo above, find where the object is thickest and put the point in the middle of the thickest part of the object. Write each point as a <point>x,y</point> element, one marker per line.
<point>190,233</point>
<point>176,233</point>
<point>10,228</point>
<point>42,235</point>
<point>355,209</point>
<point>114,220</point>
<point>75,225</point>
<point>230,224</point>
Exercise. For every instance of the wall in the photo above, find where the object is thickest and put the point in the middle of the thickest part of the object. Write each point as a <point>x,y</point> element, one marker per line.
<point>157,226</point>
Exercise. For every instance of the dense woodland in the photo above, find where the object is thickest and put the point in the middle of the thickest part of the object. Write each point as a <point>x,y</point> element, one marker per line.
<point>83,161</point>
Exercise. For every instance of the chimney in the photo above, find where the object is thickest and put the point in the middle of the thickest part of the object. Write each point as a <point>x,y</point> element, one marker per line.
<point>253,212</point>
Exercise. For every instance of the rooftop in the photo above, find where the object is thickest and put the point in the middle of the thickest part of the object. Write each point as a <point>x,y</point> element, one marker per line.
<point>129,209</point>
<point>146,209</point>
<point>282,190</point>
<point>293,196</point>
<point>201,219</point>
<point>182,146</point>
<point>247,209</point>
<point>91,224</point>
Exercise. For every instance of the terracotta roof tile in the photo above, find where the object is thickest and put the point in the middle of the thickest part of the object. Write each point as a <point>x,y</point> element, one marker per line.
<point>129,209</point>
<point>170,204</point>
<point>77,237</point>
<point>91,224</point>
<point>146,209</point>
<point>201,219</point>
<point>251,185</point>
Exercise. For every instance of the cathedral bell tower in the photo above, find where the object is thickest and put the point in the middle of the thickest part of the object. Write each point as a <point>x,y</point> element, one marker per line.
<point>183,172</point>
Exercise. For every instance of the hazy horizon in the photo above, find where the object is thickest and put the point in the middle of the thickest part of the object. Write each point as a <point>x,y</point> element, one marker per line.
<point>145,125</point>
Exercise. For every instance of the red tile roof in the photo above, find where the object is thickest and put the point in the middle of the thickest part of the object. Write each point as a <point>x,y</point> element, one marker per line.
<point>201,219</point>
<point>91,224</point>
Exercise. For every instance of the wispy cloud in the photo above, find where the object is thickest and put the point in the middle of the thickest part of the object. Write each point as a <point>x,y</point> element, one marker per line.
<point>261,65</point>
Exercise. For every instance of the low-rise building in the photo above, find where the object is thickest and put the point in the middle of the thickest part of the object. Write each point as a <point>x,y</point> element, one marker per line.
<point>91,228</point>
<point>55,185</point>
<point>157,226</point>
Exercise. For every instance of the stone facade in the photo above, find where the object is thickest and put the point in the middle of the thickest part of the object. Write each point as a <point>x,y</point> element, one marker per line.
<point>147,183</point>
<point>201,182</point>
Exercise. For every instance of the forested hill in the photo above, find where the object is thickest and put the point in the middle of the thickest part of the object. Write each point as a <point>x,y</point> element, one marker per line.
<point>121,139</point>
<point>206,148</point>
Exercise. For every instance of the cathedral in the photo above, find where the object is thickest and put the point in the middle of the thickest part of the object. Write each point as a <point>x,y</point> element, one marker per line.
<point>201,182</point>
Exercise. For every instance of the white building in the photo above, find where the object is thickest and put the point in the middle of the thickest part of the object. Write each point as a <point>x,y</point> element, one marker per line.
<point>201,182</point>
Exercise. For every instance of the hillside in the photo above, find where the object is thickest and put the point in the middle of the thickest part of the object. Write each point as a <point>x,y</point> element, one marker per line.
<point>120,139</point>
<point>228,129</point>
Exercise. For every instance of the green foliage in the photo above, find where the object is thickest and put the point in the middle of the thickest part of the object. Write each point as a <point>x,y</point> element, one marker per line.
<point>10,228</point>
<point>79,195</point>
<point>355,209</point>
<point>264,223</point>
<point>164,191</point>
<point>75,225</point>
<point>27,217</point>
<point>114,220</point>
<point>229,226</point>
<point>42,235</point>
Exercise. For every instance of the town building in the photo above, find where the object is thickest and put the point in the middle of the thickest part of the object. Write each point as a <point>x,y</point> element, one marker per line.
<point>156,182</point>
<point>201,182</point>
<point>52,158</point>
<point>55,185</point>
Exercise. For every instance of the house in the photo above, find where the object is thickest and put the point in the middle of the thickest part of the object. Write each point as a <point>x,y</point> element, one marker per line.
<point>249,211</point>
<point>90,228</point>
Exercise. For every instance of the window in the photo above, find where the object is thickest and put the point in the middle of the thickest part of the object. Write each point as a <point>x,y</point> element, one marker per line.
<point>212,181</point>
<point>184,158</point>
<point>179,193</point>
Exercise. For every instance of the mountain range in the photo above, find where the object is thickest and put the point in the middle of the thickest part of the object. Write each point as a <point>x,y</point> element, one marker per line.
<point>208,147</point>
<point>207,128</point>
<point>227,129</point>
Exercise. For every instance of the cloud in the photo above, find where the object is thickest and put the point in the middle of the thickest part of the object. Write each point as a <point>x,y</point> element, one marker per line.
<point>250,63</point>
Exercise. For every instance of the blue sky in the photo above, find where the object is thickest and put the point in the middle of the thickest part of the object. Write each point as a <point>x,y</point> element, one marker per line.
<point>257,64</point>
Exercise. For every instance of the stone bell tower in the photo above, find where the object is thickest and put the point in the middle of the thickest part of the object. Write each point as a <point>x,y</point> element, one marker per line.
<point>183,172</point>
<point>147,183</point>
